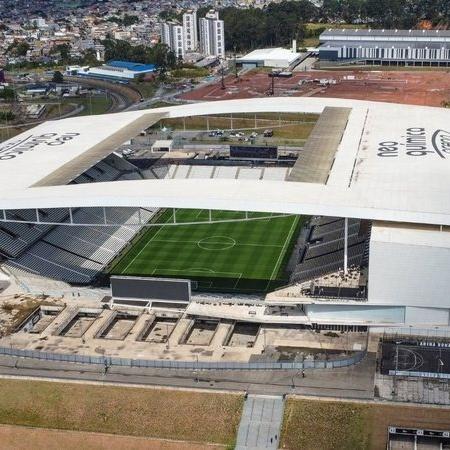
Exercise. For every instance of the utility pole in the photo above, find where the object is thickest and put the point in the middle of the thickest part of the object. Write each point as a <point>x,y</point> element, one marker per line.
<point>222,71</point>
<point>272,85</point>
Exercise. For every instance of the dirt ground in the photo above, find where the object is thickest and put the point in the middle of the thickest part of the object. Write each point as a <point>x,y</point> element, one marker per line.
<point>428,88</point>
<point>329,425</point>
<point>148,413</point>
<point>23,438</point>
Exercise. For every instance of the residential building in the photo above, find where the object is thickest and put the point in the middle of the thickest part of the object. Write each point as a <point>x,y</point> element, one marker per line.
<point>212,35</point>
<point>190,31</point>
<point>172,36</point>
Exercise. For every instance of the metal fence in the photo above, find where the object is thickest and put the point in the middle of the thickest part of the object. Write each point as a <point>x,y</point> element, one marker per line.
<point>187,365</point>
<point>422,334</point>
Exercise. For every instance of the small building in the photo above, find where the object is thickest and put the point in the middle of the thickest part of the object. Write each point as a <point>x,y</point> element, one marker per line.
<point>269,57</point>
<point>38,90</point>
<point>162,146</point>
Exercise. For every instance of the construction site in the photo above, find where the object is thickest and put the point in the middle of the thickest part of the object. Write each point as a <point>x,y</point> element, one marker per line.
<point>420,87</point>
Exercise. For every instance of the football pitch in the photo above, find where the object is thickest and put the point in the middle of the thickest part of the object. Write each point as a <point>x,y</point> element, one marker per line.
<point>241,256</point>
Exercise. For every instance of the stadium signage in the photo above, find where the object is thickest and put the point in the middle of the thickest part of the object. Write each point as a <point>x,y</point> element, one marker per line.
<point>29,143</point>
<point>415,144</point>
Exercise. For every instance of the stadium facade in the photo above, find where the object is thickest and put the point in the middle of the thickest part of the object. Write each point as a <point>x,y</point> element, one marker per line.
<point>374,177</point>
<point>402,47</point>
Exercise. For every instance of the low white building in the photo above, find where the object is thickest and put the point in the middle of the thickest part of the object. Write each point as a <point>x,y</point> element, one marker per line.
<point>269,57</point>
<point>162,146</point>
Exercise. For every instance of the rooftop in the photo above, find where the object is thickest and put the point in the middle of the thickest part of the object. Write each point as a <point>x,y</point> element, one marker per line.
<point>134,67</point>
<point>269,53</point>
<point>391,163</point>
<point>364,32</point>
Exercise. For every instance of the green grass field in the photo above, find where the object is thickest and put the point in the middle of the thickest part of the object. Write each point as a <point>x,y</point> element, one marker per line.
<point>247,256</point>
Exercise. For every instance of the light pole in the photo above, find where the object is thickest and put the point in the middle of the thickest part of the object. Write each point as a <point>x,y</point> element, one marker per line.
<point>222,75</point>
<point>167,334</point>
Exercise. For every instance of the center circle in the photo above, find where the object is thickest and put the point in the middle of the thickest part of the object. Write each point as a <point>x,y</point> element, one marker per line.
<point>216,243</point>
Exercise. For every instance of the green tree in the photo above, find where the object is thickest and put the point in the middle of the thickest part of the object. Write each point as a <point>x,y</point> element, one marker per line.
<point>18,48</point>
<point>58,77</point>
<point>7,94</point>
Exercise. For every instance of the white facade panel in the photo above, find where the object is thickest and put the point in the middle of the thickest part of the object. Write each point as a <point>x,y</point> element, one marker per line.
<point>426,316</point>
<point>363,314</point>
<point>406,268</point>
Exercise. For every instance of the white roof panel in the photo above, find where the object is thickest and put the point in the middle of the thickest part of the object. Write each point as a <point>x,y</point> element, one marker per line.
<point>393,163</point>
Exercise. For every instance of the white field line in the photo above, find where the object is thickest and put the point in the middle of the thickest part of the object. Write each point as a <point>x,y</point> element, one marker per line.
<point>286,242</point>
<point>175,241</point>
<point>145,246</point>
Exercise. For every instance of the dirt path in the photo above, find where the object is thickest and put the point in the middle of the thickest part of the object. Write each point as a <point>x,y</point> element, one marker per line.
<point>22,438</point>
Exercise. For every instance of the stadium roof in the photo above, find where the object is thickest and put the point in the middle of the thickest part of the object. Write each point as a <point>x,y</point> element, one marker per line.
<point>392,163</point>
<point>134,67</point>
<point>401,34</point>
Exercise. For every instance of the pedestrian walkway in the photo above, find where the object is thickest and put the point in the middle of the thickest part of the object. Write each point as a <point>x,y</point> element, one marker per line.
<point>260,423</point>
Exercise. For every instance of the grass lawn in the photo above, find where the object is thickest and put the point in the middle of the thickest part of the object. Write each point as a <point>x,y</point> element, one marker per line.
<point>146,88</point>
<point>94,105</point>
<point>293,126</point>
<point>166,414</point>
<point>247,256</point>
<point>330,425</point>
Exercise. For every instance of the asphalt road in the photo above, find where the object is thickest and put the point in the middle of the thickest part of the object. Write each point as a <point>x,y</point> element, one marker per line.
<point>355,382</point>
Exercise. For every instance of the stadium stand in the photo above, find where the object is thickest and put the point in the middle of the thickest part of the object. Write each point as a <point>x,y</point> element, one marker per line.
<point>178,171</point>
<point>74,254</point>
<point>323,253</point>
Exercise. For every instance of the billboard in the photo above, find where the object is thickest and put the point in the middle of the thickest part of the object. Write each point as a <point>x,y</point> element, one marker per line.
<point>247,152</point>
<point>146,289</point>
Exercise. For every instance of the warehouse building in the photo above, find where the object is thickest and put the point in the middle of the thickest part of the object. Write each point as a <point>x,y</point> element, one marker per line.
<point>118,71</point>
<point>386,47</point>
<point>269,57</point>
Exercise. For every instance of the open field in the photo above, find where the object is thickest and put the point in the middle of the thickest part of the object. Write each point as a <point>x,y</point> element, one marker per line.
<point>288,126</point>
<point>162,414</point>
<point>18,438</point>
<point>246,256</point>
<point>427,88</point>
<point>329,425</point>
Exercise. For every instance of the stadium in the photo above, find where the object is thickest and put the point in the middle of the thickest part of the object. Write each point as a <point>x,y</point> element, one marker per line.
<point>351,232</point>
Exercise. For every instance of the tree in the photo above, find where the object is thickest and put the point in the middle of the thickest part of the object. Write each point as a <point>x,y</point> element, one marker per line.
<point>57,77</point>
<point>7,94</point>
<point>18,48</point>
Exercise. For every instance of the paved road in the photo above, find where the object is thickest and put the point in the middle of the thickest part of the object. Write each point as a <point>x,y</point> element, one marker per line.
<point>260,424</point>
<point>354,382</point>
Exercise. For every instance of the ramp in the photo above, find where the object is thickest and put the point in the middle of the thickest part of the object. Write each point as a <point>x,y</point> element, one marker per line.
<point>260,425</point>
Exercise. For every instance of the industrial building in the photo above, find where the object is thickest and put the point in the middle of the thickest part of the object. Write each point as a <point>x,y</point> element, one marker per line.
<point>269,57</point>
<point>386,47</point>
<point>117,71</point>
